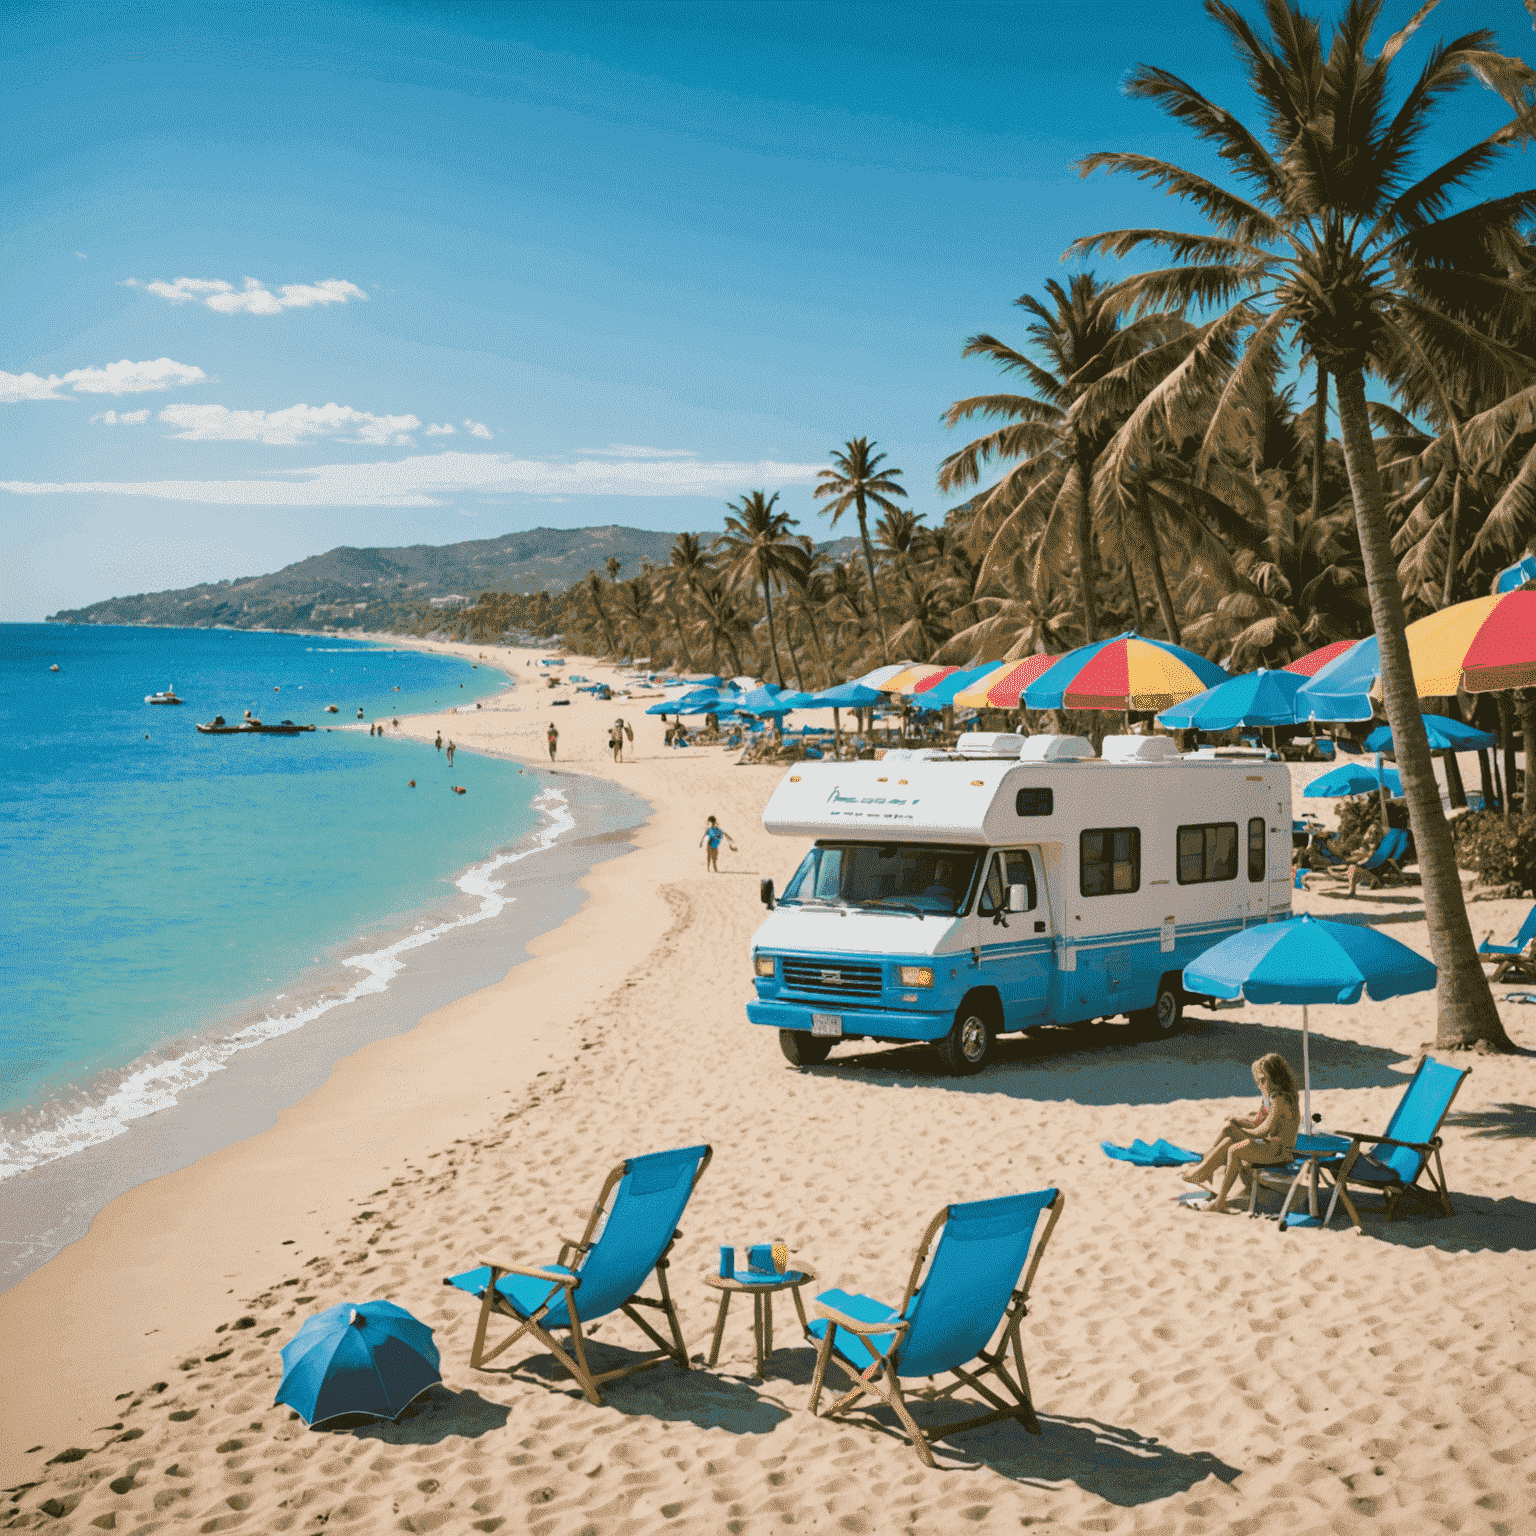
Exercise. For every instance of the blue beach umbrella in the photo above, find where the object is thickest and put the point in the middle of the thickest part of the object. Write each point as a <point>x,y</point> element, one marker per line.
<point>1445,735</point>
<point>767,700</point>
<point>1342,689</point>
<point>1515,576</point>
<point>848,696</point>
<point>1353,779</point>
<point>1255,698</point>
<point>1305,960</point>
<point>374,1359</point>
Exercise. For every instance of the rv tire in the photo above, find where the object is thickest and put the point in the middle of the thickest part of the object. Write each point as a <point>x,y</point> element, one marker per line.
<point>968,1045</point>
<point>1166,1013</point>
<point>803,1050</point>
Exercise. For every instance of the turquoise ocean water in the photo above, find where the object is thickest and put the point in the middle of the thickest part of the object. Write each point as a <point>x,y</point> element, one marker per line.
<point>170,898</point>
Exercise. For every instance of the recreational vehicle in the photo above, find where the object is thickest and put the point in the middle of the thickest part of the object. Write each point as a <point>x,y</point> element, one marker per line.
<point>950,897</point>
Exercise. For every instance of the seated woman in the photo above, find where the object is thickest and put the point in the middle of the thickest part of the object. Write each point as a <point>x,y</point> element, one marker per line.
<point>1264,1138</point>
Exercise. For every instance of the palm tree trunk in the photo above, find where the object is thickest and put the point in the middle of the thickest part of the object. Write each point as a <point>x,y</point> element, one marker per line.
<point>1525,703</point>
<point>789,640</point>
<point>1319,448</point>
<point>1082,537</point>
<point>1466,1012</point>
<point>682,639</point>
<point>773,643</point>
<point>1452,553</point>
<point>874,590</point>
<point>1155,558</point>
<point>821,650</point>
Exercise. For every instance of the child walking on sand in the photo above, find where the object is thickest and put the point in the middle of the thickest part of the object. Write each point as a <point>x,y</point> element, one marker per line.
<point>714,835</point>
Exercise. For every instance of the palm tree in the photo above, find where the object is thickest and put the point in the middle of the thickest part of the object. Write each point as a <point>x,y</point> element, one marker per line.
<point>811,591</point>
<point>613,565</point>
<point>856,480</point>
<point>1098,367</point>
<point>755,541</point>
<point>637,605</point>
<point>721,623</point>
<point>1343,248</point>
<point>596,597</point>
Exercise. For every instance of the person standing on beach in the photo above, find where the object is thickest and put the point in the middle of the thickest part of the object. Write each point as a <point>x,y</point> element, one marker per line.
<point>450,754</point>
<point>554,740</point>
<point>439,742</point>
<point>616,740</point>
<point>714,835</point>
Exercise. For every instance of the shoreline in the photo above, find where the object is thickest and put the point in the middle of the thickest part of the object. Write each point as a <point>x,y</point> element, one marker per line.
<point>376,984</point>
<point>1175,1358</point>
<point>356,965</point>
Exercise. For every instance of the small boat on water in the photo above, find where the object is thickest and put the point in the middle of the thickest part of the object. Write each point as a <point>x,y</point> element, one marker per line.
<point>218,726</point>
<point>168,697</point>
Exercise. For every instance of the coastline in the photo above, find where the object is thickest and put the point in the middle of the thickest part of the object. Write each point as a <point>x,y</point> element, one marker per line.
<point>1190,1372</point>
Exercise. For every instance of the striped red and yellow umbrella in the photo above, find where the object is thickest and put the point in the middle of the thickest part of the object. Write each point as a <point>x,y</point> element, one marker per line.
<point>1314,661</point>
<point>1127,672</point>
<point>913,678</point>
<point>1487,645</point>
<point>1001,688</point>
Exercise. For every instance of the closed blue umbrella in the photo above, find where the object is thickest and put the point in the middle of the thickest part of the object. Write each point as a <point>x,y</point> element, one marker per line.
<point>1307,961</point>
<point>373,1359</point>
<point>1445,735</point>
<point>1353,779</point>
<point>1255,698</point>
<point>1342,689</point>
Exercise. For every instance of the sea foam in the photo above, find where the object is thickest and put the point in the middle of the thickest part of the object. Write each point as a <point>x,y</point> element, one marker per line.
<point>157,1080</point>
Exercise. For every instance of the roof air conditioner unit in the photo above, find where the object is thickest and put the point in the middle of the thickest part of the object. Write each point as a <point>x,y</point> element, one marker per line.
<point>1139,749</point>
<point>989,744</point>
<point>1055,749</point>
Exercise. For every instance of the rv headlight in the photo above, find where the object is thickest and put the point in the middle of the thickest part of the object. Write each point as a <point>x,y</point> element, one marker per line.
<point>917,975</point>
<point>763,964</point>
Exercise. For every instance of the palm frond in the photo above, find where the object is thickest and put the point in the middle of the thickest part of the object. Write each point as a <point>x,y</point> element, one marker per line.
<point>1237,218</point>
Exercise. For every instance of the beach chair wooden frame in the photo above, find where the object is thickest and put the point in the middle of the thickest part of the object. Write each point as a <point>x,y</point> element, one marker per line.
<point>565,1288</point>
<point>881,1379</point>
<point>1394,1189</point>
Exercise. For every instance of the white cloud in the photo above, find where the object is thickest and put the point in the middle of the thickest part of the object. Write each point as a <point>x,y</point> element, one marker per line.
<point>428,480</point>
<point>633,451</point>
<point>123,419</point>
<point>255,298</point>
<point>296,424</point>
<point>124,378</point>
<point>440,429</point>
<point>477,428</point>
<point>82,256</point>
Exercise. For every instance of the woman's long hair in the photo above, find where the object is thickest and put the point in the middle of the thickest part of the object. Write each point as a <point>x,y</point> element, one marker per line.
<point>1275,1072</point>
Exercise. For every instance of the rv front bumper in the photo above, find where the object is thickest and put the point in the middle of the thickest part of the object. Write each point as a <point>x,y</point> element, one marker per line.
<point>873,1023</point>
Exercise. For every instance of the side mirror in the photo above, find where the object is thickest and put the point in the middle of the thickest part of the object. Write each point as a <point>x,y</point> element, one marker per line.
<point>765,891</point>
<point>1018,898</point>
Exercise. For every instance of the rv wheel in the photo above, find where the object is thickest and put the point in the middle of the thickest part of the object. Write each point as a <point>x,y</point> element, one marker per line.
<point>965,1049</point>
<point>803,1050</point>
<point>1167,1011</point>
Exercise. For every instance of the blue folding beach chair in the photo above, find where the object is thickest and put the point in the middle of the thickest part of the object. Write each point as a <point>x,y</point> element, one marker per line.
<point>972,1288</point>
<point>599,1274</point>
<point>1396,1161</point>
<point>1512,961</point>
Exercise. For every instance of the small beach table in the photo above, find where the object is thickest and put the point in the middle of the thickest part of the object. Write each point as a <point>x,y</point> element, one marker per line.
<point>762,1292</point>
<point>1313,1152</point>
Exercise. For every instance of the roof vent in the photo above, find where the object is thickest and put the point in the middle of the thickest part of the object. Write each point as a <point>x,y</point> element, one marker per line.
<point>1139,749</point>
<point>1055,749</point>
<point>989,744</point>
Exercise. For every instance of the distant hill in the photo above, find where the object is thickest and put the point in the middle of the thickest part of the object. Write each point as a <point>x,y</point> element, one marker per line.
<point>350,588</point>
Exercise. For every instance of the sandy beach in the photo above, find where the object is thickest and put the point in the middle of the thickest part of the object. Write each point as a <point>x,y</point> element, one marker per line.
<point>1192,1372</point>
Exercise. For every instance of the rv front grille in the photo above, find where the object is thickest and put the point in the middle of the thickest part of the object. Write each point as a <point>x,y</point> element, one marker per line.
<point>832,978</point>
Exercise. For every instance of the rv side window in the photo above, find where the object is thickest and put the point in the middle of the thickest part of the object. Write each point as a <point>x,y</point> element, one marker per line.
<point>1012,868</point>
<point>1035,802</point>
<point>1258,853</point>
<point>1110,859</point>
<point>1208,853</point>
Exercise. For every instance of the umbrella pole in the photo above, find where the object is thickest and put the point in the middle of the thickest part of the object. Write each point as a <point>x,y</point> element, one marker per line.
<point>1381,791</point>
<point>1306,1076</point>
<point>837,729</point>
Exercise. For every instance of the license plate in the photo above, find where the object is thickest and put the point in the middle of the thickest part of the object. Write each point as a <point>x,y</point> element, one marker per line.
<point>826,1024</point>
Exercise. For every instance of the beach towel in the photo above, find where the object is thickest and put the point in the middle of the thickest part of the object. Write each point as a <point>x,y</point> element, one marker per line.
<point>1518,997</point>
<point>1161,1154</point>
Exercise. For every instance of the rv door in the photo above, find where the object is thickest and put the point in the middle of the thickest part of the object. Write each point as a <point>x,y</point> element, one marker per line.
<point>1015,945</point>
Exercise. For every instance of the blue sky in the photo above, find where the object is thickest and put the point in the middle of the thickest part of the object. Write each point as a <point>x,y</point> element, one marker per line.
<point>639,258</point>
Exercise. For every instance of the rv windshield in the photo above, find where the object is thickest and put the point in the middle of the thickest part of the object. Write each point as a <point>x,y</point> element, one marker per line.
<point>902,877</point>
